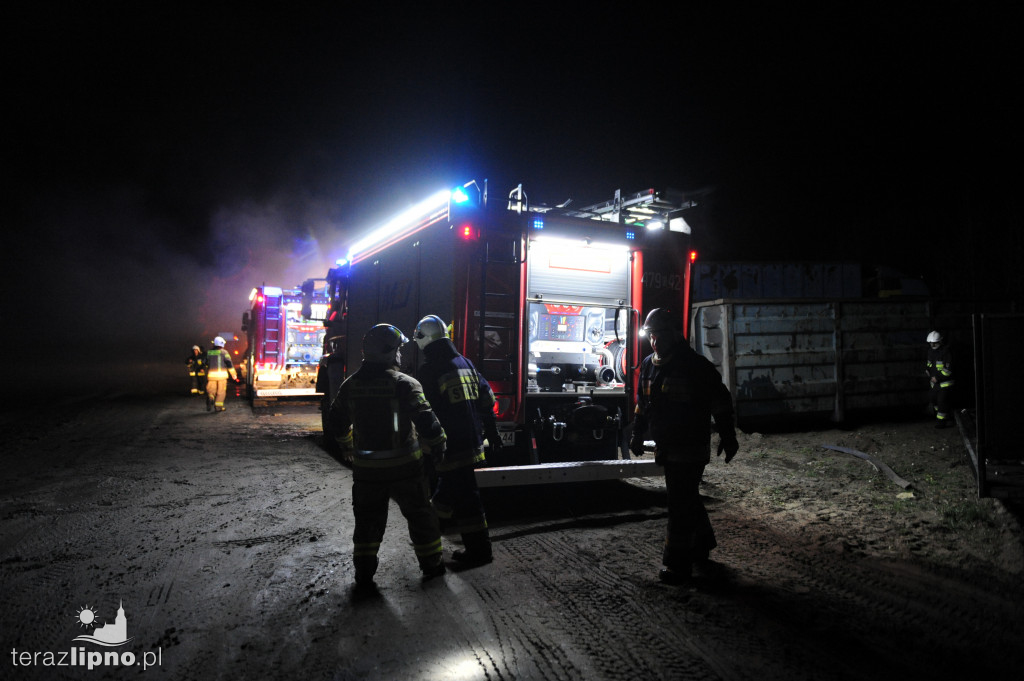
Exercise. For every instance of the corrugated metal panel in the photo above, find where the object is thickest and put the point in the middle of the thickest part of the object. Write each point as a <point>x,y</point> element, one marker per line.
<point>829,358</point>
<point>810,357</point>
<point>715,280</point>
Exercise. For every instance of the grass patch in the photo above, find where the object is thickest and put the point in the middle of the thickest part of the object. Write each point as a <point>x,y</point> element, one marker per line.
<point>777,496</point>
<point>964,514</point>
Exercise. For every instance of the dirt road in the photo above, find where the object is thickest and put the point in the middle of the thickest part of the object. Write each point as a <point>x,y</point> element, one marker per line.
<point>225,538</point>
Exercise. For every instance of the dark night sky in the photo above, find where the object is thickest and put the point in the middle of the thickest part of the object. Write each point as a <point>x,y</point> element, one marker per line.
<point>170,157</point>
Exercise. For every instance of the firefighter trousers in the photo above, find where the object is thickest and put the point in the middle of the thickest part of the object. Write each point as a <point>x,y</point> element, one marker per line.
<point>689,536</point>
<point>940,399</point>
<point>216,391</point>
<point>458,497</point>
<point>370,500</point>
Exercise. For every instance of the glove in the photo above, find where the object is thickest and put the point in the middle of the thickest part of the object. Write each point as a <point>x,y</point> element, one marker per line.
<point>493,438</point>
<point>636,445</point>
<point>727,443</point>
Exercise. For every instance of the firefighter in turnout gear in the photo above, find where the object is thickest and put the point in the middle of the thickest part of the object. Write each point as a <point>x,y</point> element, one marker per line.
<point>218,369</point>
<point>196,364</point>
<point>464,403</point>
<point>383,419</point>
<point>940,376</point>
<point>678,393</point>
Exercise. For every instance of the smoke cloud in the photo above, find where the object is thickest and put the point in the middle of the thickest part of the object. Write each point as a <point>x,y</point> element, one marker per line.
<point>114,296</point>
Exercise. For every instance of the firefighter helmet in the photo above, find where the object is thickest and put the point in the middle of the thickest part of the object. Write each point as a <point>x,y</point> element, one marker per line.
<point>934,337</point>
<point>381,343</point>
<point>660,319</point>
<point>430,329</point>
<point>219,342</point>
<point>196,348</point>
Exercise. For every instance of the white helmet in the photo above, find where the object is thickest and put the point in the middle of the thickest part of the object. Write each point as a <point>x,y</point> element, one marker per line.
<point>934,337</point>
<point>430,329</point>
<point>196,348</point>
<point>219,342</point>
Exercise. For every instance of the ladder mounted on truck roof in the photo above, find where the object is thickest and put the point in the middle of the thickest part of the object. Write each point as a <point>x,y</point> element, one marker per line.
<point>640,207</point>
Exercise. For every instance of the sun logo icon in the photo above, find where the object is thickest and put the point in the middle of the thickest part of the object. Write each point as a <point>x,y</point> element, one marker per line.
<point>87,617</point>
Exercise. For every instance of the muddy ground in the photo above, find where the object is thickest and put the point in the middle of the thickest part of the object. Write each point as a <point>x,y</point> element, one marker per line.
<point>226,540</point>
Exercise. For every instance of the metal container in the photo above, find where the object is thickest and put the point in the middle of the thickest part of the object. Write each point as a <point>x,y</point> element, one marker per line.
<point>829,358</point>
<point>784,280</point>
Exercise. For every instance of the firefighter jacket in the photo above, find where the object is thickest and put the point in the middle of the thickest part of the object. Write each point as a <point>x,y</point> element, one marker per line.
<point>462,400</point>
<point>196,364</point>
<point>218,364</point>
<point>676,397</point>
<point>379,412</point>
<point>940,366</point>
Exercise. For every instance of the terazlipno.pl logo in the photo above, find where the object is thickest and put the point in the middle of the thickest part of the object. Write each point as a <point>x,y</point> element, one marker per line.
<point>106,634</point>
<point>115,634</point>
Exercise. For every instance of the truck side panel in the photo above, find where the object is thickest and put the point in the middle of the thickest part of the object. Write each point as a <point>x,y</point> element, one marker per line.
<point>399,286</point>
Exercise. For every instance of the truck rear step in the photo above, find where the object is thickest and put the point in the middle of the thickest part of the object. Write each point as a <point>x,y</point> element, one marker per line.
<point>571,471</point>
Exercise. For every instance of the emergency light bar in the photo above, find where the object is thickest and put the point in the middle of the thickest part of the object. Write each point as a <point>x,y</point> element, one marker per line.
<point>416,217</point>
<point>399,224</point>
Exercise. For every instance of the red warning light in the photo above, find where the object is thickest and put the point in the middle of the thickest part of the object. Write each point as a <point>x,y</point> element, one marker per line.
<point>468,232</point>
<point>693,256</point>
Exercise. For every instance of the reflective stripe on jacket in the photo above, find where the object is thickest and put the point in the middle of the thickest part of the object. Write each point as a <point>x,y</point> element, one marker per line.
<point>940,366</point>
<point>219,363</point>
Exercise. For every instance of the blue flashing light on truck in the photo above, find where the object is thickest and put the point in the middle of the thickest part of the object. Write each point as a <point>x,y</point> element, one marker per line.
<point>545,301</point>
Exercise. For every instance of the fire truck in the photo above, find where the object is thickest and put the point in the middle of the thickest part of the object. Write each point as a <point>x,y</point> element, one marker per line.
<point>546,301</point>
<point>285,343</point>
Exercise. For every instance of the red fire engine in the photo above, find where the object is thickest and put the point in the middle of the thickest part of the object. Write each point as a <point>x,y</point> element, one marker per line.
<point>545,301</point>
<point>285,343</point>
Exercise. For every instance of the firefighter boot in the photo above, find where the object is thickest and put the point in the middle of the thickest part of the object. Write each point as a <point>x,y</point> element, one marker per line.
<point>432,566</point>
<point>674,577</point>
<point>477,551</point>
<point>366,566</point>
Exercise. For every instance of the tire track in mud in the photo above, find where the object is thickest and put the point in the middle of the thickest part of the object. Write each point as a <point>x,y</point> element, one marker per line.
<point>261,540</point>
<point>599,618</point>
<point>752,625</point>
<point>172,530</point>
<point>62,494</point>
<point>867,616</point>
<point>521,648</point>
